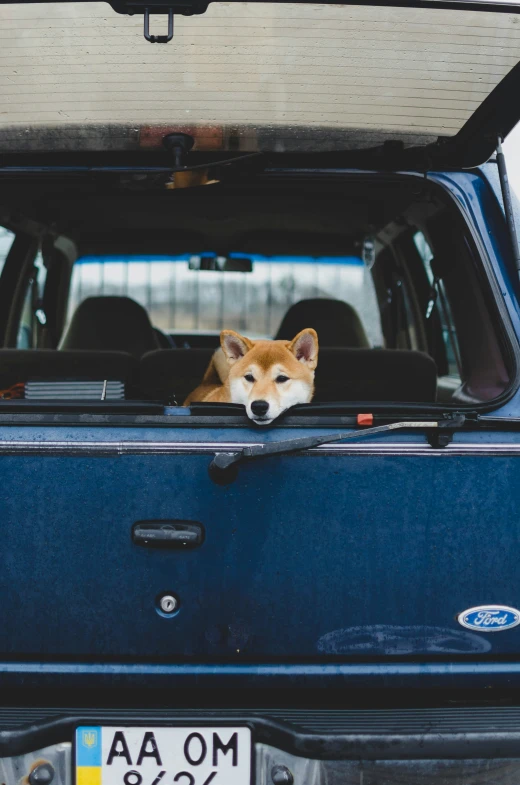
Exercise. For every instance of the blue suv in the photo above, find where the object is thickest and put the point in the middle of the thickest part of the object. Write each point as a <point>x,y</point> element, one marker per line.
<point>187,597</point>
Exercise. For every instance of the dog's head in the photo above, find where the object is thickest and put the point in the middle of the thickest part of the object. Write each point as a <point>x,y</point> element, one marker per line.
<point>270,376</point>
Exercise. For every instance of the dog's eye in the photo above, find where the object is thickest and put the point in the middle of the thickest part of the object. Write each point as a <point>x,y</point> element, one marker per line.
<point>281,379</point>
<point>249,377</point>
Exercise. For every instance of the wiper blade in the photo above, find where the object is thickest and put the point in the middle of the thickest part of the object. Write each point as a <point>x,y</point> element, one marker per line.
<point>223,468</point>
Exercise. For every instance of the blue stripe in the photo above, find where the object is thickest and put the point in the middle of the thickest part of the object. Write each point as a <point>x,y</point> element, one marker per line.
<point>256,258</point>
<point>88,746</point>
<point>233,676</point>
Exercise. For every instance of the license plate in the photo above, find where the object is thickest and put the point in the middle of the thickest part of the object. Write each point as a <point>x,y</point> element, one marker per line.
<point>163,756</point>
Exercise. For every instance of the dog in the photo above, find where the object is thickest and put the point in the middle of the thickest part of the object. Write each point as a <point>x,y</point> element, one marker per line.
<point>267,377</point>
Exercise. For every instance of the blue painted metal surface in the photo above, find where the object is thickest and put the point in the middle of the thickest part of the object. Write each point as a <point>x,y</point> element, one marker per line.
<point>307,559</point>
<point>358,675</point>
<point>316,569</point>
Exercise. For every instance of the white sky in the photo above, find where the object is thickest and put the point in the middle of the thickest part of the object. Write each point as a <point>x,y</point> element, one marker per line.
<point>512,153</point>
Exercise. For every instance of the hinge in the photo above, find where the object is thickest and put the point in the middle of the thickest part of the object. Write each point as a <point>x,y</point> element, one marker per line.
<point>442,435</point>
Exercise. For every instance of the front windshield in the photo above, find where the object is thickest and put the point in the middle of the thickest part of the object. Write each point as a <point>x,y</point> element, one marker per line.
<point>180,300</point>
<point>246,76</point>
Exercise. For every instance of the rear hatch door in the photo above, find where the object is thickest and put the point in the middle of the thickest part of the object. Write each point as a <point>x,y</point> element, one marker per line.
<point>264,76</point>
<point>352,550</point>
<point>347,552</point>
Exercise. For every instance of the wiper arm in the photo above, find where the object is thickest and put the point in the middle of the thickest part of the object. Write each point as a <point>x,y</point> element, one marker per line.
<point>223,468</point>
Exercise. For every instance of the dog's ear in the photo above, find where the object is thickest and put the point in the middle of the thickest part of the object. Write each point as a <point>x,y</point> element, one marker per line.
<point>305,347</point>
<point>234,345</point>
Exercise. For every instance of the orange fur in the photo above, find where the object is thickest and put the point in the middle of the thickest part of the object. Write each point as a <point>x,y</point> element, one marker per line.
<point>225,379</point>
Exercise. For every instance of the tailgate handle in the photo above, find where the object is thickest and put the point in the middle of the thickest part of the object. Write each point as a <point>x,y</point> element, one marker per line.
<point>168,534</point>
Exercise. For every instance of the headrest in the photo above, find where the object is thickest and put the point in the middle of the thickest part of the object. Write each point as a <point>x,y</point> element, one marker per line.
<point>173,372</point>
<point>375,375</point>
<point>336,322</point>
<point>110,323</point>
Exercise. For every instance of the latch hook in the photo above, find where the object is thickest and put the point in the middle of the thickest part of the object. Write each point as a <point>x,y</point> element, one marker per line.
<point>158,39</point>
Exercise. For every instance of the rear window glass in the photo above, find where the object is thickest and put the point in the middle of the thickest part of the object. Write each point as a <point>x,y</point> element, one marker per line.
<point>246,76</point>
<point>388,279</point>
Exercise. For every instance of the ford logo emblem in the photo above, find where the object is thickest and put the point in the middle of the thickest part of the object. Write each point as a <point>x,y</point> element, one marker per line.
<point>489,618</point>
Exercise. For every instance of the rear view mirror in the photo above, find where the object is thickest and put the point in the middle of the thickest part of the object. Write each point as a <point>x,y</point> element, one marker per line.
<point>238,264</point>
<point>223,264</point>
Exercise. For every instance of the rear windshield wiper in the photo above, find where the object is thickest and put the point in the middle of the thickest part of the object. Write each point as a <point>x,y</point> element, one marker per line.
<point>223,469</point>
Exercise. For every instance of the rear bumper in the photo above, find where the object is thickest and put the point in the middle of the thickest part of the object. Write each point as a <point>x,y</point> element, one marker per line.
<point>316,747</point>
<point>306,771</point>
<point>323,737</point>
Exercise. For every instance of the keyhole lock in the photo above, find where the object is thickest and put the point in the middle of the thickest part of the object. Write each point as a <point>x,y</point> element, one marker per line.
<point>167,604</point>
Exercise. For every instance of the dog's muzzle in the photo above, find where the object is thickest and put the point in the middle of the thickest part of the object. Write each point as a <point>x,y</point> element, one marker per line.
<point>260,408</point>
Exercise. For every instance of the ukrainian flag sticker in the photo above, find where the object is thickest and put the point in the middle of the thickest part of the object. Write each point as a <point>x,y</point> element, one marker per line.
<point>88,756</point>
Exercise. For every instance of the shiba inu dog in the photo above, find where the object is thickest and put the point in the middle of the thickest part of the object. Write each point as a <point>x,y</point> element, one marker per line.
<point>267,377</point>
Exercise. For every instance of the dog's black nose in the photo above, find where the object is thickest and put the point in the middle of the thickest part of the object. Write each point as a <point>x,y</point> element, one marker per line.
<point>259,408</point>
